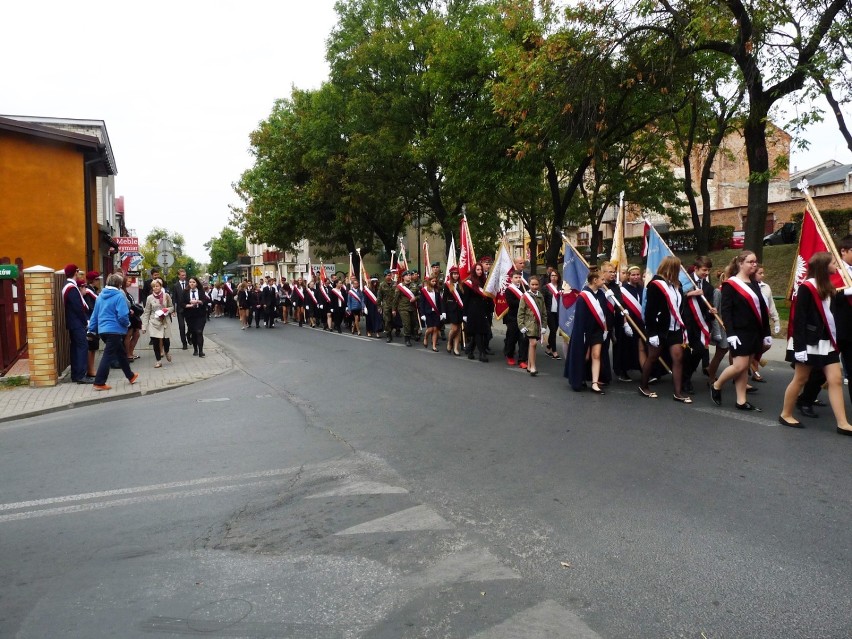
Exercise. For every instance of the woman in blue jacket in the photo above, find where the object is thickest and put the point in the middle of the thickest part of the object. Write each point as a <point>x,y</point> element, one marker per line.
<point>355,306</point>
<point>111,320</point>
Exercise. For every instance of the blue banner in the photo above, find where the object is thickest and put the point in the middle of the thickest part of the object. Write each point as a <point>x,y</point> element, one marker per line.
<point>574,273</point>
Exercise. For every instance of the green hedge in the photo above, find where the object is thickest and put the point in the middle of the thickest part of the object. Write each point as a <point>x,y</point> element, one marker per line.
<point>836,220</point>
<point>678,241</point>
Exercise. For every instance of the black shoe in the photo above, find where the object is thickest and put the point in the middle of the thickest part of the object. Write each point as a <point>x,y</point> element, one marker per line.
<point>201,354</point>
<point>748,406</point>
<point>808,411</point>
<point>408,341</point>
<point>84,380</point>
<point>844,431</point>
<point>716,395</point>
<point>784,422</point>
<point>688,387</point>
<point>185,347</point>
<point>751,389</point>
<point>819,402</point>
<point>471,356</point>
<point>623,377</point>
<point>195,352</point>
<point>389,339</point>
<point>483,358</point>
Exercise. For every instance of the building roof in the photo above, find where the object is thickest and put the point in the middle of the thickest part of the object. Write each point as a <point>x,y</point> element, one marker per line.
<point>823,175</point>
<point>70,130</point>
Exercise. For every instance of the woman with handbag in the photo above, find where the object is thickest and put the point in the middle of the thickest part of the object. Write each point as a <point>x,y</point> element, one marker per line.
<point>157,321</point>
<point>136,310</point>
<point>195,310</point>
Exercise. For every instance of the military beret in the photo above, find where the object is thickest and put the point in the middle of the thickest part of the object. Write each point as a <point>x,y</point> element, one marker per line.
<point>438,264</point>
<point>387,271</point>
<point>70,269</point>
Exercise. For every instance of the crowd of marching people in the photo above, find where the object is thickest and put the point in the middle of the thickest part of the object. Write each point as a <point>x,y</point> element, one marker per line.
<point>621,326</point>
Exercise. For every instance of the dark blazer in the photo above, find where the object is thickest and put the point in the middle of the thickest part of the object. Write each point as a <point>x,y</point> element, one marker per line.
<point>199,312</point>
<point>739,319</point>
<point>842,310</point>
<point>808,327</point>
<point>658,317</point>
<point>177,294</point>
<point>432,318</point>
<point>451,307</point>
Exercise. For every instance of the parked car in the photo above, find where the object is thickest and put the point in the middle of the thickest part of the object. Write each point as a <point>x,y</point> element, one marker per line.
<point>785,235</point>
<point>737,240</point>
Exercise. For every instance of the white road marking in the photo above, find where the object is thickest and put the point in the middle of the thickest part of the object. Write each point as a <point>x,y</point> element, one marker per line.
<point>747,416</point>
<point>464,566</point>
<point>151,488</point>
<point>145,499</point>
<point>408,520</point>
<point>213,399</point>
<point>360,488</point>
<point>547,620</point>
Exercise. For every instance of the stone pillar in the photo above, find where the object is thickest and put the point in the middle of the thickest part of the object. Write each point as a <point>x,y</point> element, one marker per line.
<point>41,329</point>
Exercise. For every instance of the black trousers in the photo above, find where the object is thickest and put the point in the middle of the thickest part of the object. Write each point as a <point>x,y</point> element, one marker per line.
<point>515,339</point>
<point>182,327</point>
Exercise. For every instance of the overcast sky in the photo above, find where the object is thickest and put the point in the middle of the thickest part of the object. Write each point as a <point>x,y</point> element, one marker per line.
<point>180,86</point>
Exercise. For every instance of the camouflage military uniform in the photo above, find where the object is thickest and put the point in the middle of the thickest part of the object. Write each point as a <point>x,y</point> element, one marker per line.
<point>406,310</point>
<point>387,291</point>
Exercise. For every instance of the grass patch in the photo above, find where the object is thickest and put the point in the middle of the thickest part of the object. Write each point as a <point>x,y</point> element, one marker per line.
<point>7,383</point>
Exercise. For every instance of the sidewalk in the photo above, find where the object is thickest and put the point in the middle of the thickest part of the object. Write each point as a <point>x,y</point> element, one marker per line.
<point>23,401</point>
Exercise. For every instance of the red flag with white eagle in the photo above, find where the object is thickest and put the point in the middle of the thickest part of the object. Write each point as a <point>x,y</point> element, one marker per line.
<point>467,258</point>
<point>812,239</point>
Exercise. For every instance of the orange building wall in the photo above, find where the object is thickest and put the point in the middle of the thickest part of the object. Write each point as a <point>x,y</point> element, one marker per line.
<point>42,202</point>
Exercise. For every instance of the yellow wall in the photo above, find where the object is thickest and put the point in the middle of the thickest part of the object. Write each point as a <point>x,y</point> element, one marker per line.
<point>42,202</point>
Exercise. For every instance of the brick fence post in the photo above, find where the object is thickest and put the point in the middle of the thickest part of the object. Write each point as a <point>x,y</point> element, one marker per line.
<point>41,329</point>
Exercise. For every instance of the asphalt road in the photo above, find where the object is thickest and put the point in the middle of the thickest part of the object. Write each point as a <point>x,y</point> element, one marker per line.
<point>341,487</point>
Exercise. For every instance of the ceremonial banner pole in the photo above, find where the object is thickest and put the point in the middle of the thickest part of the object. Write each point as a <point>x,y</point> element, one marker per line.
<point>820,224</point>
<point>391,262</point>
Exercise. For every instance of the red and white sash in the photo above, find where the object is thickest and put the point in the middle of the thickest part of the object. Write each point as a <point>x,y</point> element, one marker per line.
<point>671,300</point>
<point>515,291</point>
<point>553,290</point>
<point>354,296</point>
<point>475,289</point>
<point>428,297</point>
<point>339,296</point>
<point>595,307</point>
<point>369,293</point>
<point>324,294</point>
<point>698,316</point>
<point>67,288</point>
<point>529,299</point>
<point>402,288</point>
<point>298,291</point>
<point>312,296</point>
<point>455,293</point>
<point>631,303</point>
<point>824,311</point>
<point>749,295</point>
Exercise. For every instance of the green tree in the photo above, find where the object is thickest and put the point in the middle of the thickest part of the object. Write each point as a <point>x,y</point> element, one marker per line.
<point>777,47</point>
<point>225,248</point>
<point>150,258</point>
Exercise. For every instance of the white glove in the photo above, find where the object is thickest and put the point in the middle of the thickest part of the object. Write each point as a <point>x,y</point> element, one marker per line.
<point>609,294</point>
<point>606,334</point>
<point>524,330</point>
<point>777,328</point>
<point>802,357</point>
<point>443,316</point>
<point>628,330</point>
<point>423,317</point>
<point>847,291</point>
<point>464,319</point>
<point>365,311</point>
<point>767,341</point>
<point>544,330</point>
<point>734,341</point>
<point>654,341</point>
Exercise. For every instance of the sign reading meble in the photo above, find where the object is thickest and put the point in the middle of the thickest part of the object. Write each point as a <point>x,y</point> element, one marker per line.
<point>127,244</point>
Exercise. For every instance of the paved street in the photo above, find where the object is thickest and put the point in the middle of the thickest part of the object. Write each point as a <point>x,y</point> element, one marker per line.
<point>334,486</point>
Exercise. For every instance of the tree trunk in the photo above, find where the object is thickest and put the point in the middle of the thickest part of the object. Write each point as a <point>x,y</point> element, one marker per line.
<point>758,187</point>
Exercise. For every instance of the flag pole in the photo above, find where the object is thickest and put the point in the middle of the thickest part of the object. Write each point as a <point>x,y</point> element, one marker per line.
<point>820,223</point>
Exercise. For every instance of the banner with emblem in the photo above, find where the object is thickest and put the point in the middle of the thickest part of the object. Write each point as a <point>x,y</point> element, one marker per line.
<point>575,270</point>
<point>499,277</point>
<point>467,258</point>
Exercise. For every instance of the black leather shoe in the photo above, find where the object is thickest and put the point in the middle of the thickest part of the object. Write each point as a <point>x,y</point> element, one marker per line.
<point>843,431</point>
<point>748,406</point>
<point>716,396</point>
<point>483,358</point>
<point>471,356</point>
<point>808,411</point>
<point>201,354</point>
<point>389,339</point>
<point>185,347</point>
<point>784,422</point>
<point>819,402</point>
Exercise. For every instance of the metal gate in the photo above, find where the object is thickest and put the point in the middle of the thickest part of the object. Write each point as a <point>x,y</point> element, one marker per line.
<point>13,317</point>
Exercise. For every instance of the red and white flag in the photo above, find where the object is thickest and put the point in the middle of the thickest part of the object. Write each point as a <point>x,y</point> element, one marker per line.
<point>401,262</point>
<point>427,263</point>
<point>467,258</point>
<point>451,259</point>
<point>811,240</point>
<point>499,277</point>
